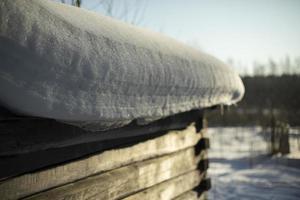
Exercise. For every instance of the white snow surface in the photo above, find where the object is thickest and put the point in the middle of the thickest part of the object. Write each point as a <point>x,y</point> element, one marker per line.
<point>73,65</point>
<point>241,169</point>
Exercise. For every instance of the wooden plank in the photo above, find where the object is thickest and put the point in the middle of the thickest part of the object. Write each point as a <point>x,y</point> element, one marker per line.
<point>13,166</point>
<point>126,180</point>
<point>28,184</point>
<point>171,188</point>
<point>191,195</point>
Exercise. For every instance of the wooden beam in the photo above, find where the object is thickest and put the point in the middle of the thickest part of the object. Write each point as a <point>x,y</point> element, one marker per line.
<point>126,180</point>
<point>171,188</point>
<point>32,183</point>
<point>23,135</point>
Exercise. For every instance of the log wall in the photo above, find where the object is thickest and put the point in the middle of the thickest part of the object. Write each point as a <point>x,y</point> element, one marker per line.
<point>170,166</point>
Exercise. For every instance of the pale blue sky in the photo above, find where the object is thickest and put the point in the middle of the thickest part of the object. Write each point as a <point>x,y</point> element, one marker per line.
<point>244,30</point>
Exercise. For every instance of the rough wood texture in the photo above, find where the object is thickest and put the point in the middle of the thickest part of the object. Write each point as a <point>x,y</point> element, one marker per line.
<point>171,188</point>
<point>25,140</point>
<point>32,183</point>
<point>191,195</point>
<point>127,180</point>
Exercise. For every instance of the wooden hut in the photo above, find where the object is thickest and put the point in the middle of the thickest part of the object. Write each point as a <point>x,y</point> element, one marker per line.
<point>94,108</point>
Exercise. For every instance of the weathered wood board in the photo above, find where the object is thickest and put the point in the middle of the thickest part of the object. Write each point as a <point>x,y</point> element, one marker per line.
<point>191,195</point>
<point>171,188</point>
<point>32,183</point>
<point>124,181</point>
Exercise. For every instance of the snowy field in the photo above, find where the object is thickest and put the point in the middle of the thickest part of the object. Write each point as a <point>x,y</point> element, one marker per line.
<point>240,167</point>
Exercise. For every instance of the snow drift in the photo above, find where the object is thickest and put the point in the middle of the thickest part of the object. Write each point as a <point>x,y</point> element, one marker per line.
<point>73,65</point>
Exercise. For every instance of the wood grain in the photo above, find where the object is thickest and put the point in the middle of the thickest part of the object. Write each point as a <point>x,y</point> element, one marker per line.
<point>171,188</point>
<point>191,195</point>
<point>32,183</point>
<point>128,180</point>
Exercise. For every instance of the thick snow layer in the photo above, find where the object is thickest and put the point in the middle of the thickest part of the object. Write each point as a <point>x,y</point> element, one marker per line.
<point>241,169</point>
<point>70,64</point>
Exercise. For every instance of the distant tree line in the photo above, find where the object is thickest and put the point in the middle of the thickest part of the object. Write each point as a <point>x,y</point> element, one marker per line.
<point>286,66</point>
<point>278,67</point>
<point>272,93</point>
<point>266,97</point>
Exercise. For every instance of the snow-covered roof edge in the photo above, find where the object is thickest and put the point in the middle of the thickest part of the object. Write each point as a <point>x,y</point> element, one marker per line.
<point>70,64</point>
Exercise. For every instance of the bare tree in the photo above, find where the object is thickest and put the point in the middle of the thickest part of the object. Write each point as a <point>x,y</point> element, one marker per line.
<point>287,65</point>
<point>72,2</point>
<point>258,69</point>
<point>273,67</point>
<point>130,11</point>
<point>76,3</point>
<point>297,66</point>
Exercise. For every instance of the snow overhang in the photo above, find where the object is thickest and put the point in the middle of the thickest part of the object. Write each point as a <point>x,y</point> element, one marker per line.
<point>76,66</point>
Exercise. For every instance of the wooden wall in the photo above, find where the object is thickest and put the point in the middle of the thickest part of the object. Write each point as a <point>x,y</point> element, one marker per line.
<point>170,166</point>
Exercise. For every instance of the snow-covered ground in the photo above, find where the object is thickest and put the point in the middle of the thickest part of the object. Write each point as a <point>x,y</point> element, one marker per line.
<point>240,167</point>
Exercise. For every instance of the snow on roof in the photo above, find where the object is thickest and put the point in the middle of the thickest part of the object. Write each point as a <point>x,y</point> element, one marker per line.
<point>73,65</point>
